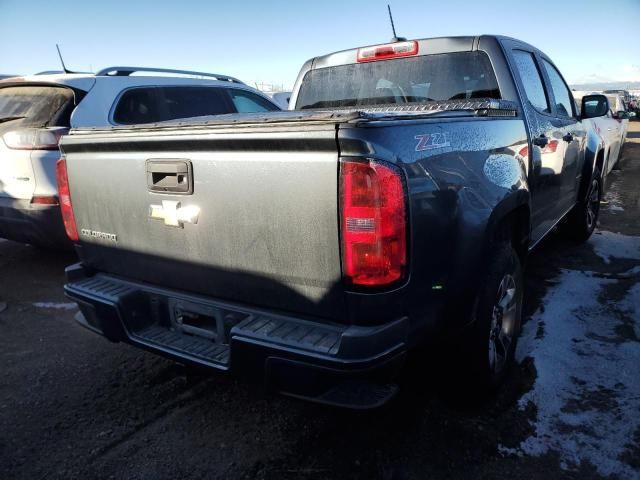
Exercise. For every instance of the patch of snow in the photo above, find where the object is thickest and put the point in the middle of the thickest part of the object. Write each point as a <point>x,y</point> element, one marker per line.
<point>612,196</point>
<point>613,202</point>
<point>587,389</point>
<point>57,306</point>
<point>632,305</point>
<point>609,244</point>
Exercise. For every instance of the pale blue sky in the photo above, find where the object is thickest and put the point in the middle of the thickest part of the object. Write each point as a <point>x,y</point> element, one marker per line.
<point>267,41</point>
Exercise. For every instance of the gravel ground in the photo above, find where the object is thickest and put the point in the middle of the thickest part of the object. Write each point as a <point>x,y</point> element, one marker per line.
<point>73,405</point>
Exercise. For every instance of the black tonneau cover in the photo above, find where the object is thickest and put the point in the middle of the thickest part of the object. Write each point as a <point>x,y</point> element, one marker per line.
<point>482,107</point>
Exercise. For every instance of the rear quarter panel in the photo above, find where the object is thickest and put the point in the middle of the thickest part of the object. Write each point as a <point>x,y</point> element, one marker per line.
<point>16,174</point>
<point>44,169</point>
<point>462,177</point>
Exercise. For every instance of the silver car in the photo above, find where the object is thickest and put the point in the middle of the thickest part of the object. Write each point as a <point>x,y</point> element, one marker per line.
<point>36,111</point>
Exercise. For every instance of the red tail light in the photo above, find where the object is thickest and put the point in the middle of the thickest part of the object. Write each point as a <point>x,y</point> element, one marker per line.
<point>389,50</point>
<point>65,200</point>
<point>373,223</point>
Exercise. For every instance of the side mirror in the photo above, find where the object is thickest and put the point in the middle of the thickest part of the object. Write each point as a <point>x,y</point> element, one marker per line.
<point>594,106</point>
<point>622,115</point>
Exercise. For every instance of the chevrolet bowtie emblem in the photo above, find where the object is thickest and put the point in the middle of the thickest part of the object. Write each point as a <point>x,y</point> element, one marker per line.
<point>173,214</point>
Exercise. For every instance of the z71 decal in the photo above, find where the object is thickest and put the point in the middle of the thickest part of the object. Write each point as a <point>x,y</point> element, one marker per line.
<point>430,141</point>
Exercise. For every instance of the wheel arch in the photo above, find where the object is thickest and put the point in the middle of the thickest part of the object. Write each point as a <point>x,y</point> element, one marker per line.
<point>593,161</point>
<point>511,221</point>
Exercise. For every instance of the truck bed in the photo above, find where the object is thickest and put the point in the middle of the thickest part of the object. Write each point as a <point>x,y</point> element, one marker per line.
<point>266,186</point>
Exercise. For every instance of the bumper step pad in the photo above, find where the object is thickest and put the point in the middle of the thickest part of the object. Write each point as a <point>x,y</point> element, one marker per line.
<point>201,348</point>
<point>298,334</point>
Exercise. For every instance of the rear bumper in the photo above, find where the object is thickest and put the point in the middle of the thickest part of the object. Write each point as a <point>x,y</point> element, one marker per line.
<point>21,221</point>
<point>348,366</point>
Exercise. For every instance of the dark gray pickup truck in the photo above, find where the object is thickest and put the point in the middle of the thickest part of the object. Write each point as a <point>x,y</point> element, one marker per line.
<point>316,248</point>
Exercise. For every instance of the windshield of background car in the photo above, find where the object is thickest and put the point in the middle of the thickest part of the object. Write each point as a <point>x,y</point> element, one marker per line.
<point>410,80</point>
<point>39,105</point>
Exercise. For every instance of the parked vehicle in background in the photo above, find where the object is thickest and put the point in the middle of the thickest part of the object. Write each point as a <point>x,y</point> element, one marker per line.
<point>620,112</point>
<point>36,111</point>
<point>396,206</point>
<point>608,127</point>
<point>33,117</point>
<point>624,94</point>
<point>634,106</point>
<point>282,99</point>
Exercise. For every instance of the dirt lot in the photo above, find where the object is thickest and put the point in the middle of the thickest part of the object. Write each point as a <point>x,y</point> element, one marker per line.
<point>73,405</point>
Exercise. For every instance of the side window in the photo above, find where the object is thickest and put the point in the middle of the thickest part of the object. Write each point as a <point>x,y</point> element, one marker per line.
<point>138,105</point>
<point>158,104</point>
<point>560,91</point>
<point>185,102</point>
<point>247,102</point>
<point>531,80</point>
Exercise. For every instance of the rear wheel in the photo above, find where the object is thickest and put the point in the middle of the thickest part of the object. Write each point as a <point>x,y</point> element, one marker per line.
<point>491,341</point>
<point>502,327</point>
<point>582,220</point>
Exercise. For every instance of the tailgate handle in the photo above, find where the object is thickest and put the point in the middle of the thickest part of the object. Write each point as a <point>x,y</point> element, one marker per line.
<point>170,176</point>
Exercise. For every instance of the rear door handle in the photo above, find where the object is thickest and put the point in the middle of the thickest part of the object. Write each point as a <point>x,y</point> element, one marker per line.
<point>541,141</point>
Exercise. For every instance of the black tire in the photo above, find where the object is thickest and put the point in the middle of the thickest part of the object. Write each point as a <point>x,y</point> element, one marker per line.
<point>582,220</point>
<point>492,338</point>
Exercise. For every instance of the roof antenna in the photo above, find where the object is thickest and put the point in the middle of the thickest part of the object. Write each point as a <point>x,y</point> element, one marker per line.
<point>393,27</point>
<point>64,68</point>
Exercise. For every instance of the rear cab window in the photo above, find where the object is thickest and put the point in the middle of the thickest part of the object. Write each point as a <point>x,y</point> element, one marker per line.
<point>410,80</point>
<point>158,104</point>
<point>37,105</point>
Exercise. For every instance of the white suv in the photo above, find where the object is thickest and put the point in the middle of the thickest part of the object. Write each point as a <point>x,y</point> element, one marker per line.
<point>35,111</point>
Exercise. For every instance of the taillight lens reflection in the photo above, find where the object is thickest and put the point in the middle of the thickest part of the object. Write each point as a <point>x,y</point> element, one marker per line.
<point>34,138</point>
<point>65,200</point>
<point>44,200</point>
<point>373,223</point>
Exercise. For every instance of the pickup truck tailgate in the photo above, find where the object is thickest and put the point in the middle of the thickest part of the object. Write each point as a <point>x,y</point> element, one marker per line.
<point>259,227</point>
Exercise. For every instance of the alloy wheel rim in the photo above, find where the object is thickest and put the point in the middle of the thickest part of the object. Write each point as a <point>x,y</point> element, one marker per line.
<point>503,323</point>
